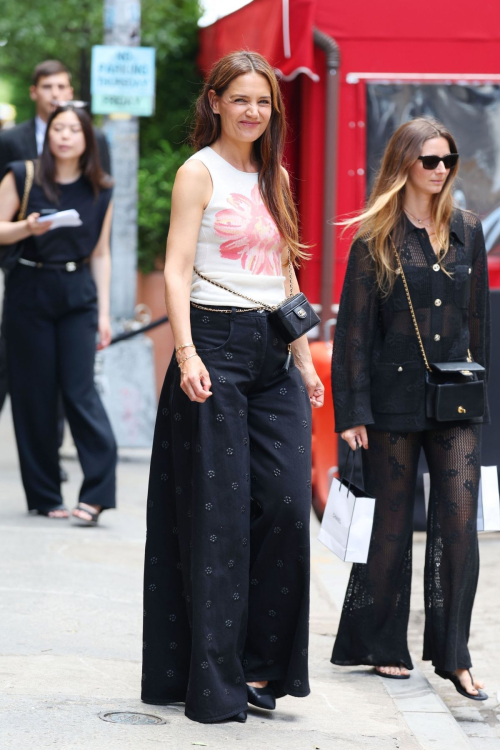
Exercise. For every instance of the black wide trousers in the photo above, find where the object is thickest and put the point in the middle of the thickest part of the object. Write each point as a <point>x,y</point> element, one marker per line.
<point>50,327</point>
<point>374,622</point>
<point>226,584</point>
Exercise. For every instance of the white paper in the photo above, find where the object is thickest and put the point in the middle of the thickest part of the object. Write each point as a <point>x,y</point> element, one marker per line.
<point>490,500</point>
<point>346,528</point>
<point>69,218</point>
<point>488,505</point>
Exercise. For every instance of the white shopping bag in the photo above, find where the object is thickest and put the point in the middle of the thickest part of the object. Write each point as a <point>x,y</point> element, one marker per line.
<point>488,509</point>
<point>346,528</point>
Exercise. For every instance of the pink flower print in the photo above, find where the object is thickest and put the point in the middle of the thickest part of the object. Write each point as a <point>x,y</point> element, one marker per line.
<point>254,237</point>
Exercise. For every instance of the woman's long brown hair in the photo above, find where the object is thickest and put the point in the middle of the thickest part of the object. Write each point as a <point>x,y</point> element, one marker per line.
<point>45,171</point>
<point>268,149</point>
<point>382,217</point>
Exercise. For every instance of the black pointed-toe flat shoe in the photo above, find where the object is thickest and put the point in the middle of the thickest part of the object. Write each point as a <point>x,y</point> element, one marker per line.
<point>241,717</point>
<point>261,697</point>
<point>452,677</point>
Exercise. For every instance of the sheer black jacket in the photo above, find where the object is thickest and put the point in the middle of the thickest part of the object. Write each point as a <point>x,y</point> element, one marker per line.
<point>378,373</point>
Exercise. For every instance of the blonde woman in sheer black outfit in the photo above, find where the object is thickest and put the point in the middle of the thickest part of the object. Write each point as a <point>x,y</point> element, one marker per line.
<point>378,377</point>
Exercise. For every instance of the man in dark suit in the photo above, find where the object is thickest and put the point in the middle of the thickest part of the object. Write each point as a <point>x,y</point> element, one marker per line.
<point>51,84</point>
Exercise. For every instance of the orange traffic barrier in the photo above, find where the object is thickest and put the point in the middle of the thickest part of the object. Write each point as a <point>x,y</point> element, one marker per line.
<point>324,438</point>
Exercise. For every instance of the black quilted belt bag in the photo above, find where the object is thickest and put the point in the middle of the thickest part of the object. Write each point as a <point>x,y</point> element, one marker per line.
<point>453,390</point>
<point>292,318</point>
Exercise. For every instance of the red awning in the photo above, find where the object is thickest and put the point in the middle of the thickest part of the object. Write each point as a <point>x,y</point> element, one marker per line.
<point>281,30</point>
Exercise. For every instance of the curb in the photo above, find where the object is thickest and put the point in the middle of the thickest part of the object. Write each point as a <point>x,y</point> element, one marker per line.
<point>429,719</point>
<point>427,716</point>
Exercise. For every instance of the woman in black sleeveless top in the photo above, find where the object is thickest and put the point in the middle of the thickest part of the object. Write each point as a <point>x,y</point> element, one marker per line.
<point>56,300</point>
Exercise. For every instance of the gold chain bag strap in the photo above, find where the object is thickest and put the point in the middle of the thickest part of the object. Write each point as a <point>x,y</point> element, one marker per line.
<point>453,390</point>
<point>10,254</point>
<point>412,311</point>
<point>260,305</point>
<point>292,318</point>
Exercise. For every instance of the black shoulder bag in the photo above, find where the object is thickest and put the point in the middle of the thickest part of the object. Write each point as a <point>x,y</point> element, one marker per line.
<point>453,390</point>
<point>292,318</point>
<point>10,254</point>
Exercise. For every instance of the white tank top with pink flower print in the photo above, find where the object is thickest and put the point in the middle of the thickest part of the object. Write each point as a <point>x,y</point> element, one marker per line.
<point>239,245</point>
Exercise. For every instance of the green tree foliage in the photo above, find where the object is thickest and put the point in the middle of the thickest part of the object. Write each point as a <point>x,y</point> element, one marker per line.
<point>164,135</point>
<point>48,30</point>
<point>156,178</point>
<point>175,37</point>
<point>31,32</point>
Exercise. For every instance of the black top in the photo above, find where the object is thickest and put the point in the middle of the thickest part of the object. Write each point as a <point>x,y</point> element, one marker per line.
<point>19,142</point>
<point>65,243</point>
<point>378,373</point>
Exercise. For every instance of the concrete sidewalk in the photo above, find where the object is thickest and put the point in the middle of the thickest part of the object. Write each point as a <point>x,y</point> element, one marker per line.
<point>479,720</point>
<point>70,614</point>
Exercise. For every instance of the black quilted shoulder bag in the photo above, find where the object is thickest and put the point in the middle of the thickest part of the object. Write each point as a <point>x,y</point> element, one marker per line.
<point>453,390</point>
<point>292,318</point>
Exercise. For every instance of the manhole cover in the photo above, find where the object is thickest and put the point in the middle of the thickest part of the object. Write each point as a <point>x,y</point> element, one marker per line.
<point>129,717</point>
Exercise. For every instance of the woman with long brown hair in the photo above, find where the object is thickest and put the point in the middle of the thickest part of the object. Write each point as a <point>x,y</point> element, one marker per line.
<point>56,302</point>
<point>415,293</point>
<point>226,582</point>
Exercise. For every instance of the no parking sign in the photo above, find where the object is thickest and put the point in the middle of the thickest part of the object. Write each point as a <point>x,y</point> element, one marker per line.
<point>123,80</point>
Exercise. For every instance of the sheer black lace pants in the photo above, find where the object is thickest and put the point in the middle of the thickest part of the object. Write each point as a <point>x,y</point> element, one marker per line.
<point>374,622</point>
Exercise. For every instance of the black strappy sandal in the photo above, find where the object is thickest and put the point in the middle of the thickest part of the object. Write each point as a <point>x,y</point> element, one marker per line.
<point>84,521</point>
<point>392,676</point>
<point>452,677</point>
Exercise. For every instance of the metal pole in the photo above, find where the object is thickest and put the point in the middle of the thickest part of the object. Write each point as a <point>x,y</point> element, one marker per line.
<point>125,372</point>
<point>122,21</point>
<point>332,53</point>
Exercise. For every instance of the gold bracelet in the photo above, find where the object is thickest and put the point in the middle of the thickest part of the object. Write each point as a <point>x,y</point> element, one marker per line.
<point>186,358</point>
<point>183,346</point>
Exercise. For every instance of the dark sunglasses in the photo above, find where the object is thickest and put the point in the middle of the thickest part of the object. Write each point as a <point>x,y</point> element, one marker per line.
<point>72,104</point>
<point>432,162</point>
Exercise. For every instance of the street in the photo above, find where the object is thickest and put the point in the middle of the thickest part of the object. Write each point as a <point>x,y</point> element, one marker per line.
<point>71,644</point>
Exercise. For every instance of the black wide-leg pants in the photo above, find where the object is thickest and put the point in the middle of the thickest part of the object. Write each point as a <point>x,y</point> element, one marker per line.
<point>226,584</point>
<point>374,622</point>
<point>50,327</point>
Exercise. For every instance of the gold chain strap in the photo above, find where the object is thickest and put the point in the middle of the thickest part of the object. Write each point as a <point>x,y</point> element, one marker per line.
<point>290,273</point>
<point>28,183</point>
<point>221,286</point>
<point>261,305</point>
<point>222,310</point>
<point>417,330</point>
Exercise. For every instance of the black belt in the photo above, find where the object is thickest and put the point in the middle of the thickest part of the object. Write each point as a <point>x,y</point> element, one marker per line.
<point>70,266</point>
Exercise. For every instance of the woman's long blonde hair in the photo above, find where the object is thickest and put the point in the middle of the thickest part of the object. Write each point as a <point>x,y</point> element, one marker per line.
<point>268,149</point>
<point>382,217</point>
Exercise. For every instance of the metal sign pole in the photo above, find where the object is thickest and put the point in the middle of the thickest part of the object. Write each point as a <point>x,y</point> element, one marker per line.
<point>125,372</point>
<point>332,54</point>
<point>122,23</point>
